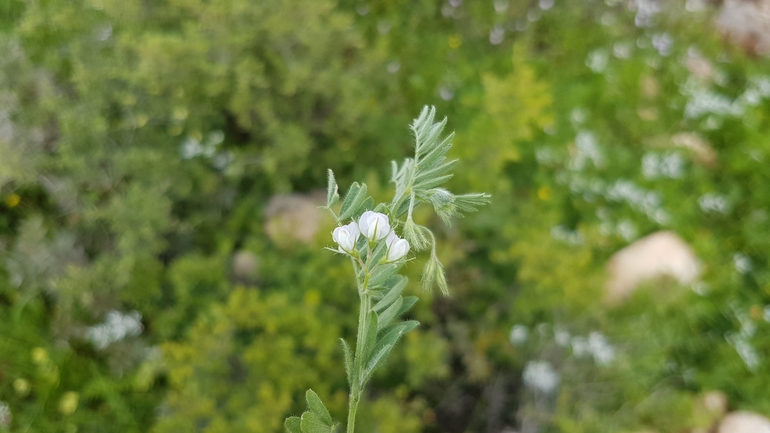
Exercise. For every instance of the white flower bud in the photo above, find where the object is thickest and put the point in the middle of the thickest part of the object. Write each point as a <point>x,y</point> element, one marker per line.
<point>346,237</point>
<point>374,225</point>
<point>391,238</point>
<point>397,248</point>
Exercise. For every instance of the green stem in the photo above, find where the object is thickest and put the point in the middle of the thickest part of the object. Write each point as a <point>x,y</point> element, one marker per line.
<point>356,388</point>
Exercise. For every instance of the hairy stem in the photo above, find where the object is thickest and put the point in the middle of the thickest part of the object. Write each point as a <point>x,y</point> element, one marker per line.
<point>356,387</point>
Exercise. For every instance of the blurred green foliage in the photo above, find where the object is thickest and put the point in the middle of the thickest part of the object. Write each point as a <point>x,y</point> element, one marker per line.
<point>141,141</point>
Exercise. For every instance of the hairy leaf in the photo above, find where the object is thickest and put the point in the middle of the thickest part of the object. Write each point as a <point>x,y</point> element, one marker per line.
<point>332,193</point>
<point>317,407</point>
<point>312,423</point>
<point>293,424</point>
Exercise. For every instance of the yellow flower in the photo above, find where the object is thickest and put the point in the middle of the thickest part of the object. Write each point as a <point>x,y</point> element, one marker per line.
<point>544,193</point>
<point>13,200</point>
<point>69,403</point>
<point>455,41</point>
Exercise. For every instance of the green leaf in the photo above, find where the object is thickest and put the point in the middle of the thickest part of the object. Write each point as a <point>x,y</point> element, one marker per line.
<point>348,360</point>
<point>389,314</point>
<point>353,200</point>
<point>471,202</point>
<point>368,204</point>
<point>292,424</point>
<point>386,344</point>
<point>438,170</point>
<point>407,325</point>
<point>312,423</point>
<point>432,182</point>
<point>371,335</point>
<point>317,407</point>
<point>398,284</point>
<point>382,273</point>
<point>379,357</point>
<point>437,152</point>
<point>407,304</point>
<point>332,193</point>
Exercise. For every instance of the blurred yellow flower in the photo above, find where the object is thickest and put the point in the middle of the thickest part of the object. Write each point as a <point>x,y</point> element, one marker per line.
<point>39,355</point>
<point>544,193</point>
<point>13,200</point>
<point>455,41</point>
<point>69,403</point>
<point>21,386</point>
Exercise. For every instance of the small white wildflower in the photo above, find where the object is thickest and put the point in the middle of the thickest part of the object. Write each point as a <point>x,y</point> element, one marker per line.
<point>346,237</point>
<point>397,247</point>
<point>601,350</point>
<point>540,376</point>
<point>742,263</point>
<point>562,337</point>
<point>374,225</point>
<point>519,335</point>
<point>116,327</point>
<point>580,347</point>
<point>711,202</point>
<point>597,60</point>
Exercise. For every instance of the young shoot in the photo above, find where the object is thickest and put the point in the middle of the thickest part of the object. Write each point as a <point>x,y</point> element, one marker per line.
<point>378,239</point>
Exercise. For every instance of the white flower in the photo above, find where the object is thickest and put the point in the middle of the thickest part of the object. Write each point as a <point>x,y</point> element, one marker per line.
<point>374,225</point>
<point>519,334</point>
<point>540,376</point>
<point>346,237</point>
<point>397,247</point>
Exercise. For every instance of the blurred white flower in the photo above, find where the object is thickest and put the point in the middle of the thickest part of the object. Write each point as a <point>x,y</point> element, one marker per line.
<point>5,415</point>
<point>519,334</point>
<point>562,337</point>
<point>397,247</point>
<point>540,376</point>
<point>116,327</point>
<point>346,237</point>
<point>742,263</point>
<point>711,202</point>
<point>374,225</point>
<point>600,348</point>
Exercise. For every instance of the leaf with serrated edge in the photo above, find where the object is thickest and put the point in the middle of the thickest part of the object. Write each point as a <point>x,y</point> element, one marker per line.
<point>311,423</point>
<point>317,407</point>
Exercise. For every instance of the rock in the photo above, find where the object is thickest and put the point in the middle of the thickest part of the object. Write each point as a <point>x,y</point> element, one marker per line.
<point>658,255</point>
<point>294,218</point>
<point>744,422</point>
<point>747,23</point>
<point>715,402</point>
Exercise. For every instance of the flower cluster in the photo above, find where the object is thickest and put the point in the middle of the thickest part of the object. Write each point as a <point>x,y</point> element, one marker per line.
<point>375,227</point>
